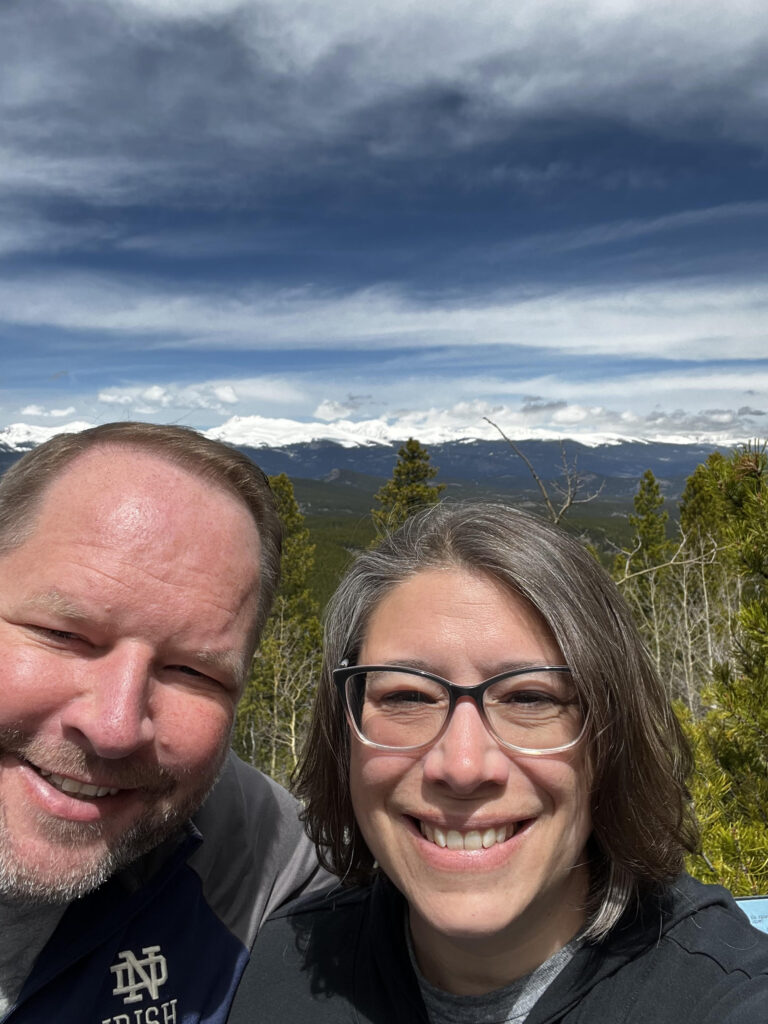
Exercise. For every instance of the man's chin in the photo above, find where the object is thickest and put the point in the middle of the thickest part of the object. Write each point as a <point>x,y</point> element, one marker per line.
<point>72,858</point>
<point>73,865</point>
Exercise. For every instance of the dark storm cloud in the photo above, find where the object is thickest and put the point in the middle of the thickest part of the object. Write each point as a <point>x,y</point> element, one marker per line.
<point>138,100</point>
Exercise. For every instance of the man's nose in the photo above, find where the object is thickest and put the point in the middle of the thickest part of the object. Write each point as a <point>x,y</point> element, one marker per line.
<point>466,757</point>
<point>111,713</point>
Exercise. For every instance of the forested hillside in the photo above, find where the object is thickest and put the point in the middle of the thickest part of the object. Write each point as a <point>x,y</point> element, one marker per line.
<point>694,572</point>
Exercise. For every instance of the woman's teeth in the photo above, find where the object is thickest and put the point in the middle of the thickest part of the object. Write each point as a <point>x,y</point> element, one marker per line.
<point>472,840</point>
<point>72,787</point>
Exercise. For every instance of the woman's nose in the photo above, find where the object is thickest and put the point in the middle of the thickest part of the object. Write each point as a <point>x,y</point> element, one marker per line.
<point>466,757</point>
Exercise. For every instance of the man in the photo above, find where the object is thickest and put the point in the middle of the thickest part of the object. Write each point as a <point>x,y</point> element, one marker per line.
<point>137,567</point>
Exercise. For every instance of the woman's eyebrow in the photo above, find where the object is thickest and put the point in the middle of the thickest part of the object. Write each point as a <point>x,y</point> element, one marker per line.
<point>415,663</point>
<point>501,667</point>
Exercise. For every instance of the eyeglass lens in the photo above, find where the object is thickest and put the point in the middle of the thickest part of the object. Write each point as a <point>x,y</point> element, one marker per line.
<point>537,710</point>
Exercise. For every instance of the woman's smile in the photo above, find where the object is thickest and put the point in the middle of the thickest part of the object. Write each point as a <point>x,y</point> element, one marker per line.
<point>481,840</point>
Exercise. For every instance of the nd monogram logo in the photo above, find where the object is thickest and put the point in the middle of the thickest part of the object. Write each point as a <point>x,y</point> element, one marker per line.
<point>134,977</point>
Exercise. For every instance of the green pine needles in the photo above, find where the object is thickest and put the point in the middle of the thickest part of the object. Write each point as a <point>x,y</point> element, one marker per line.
<point>409,489</point>
<point>700,599</point>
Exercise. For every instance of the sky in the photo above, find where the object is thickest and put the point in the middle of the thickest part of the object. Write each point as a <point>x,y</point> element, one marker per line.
<point>278,219</point>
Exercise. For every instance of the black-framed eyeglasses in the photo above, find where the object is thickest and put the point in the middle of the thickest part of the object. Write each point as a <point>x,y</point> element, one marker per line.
<point>532,710</point>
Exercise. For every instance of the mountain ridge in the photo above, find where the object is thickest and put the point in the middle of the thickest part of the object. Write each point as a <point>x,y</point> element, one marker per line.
<point>490,467</point>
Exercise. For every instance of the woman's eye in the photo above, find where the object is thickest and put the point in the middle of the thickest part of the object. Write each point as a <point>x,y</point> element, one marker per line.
<point>407,697</point>
<point>532,697</point>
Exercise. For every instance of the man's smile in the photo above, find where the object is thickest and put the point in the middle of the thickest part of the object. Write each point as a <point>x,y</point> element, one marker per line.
<point>81,790</point>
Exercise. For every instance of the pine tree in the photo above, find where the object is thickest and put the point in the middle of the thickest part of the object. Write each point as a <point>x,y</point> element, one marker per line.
<point>685,593</point>
<point>650,520</point>
<point>709,581</point>
<point>730,785</point>
<point>409,489</point>
<point>273,711</point>
<point>644,572</point>
<point>703,505</point>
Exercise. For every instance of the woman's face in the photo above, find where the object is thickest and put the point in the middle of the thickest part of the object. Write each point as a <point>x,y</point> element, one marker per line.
<point>528,890</point>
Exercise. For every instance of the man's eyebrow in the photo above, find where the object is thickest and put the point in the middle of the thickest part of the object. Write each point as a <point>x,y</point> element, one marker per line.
<point>226,661</point>
<point>55,601</point>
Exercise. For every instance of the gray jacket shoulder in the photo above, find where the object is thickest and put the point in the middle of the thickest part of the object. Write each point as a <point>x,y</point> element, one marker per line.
<point>255,854</point>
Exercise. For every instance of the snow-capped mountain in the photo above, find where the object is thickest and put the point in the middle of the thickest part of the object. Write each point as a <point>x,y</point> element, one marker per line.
<point>338,452</point>
<point>261,432</point>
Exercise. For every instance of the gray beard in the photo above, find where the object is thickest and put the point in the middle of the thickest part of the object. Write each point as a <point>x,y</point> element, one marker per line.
<point>25,883</point>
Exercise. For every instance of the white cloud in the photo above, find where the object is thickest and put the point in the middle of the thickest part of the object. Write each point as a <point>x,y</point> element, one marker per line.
<point>329,410</point>
<point>210,396</point>
<point>226,394</point>
<point>150,400</point>
<point>521,419</point>
<point>155,393</point>
<point>643,390</point>
<point>180,10</point>
<point>626,230</point>
<point>119,396</point>
<point>699,319</point>
<point>26,173</point>
<point>38,410</point>
<point>269,388</point>
<point>573,414</point>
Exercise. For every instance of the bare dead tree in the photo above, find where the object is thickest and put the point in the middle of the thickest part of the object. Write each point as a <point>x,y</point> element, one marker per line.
<point>683,608</point>
<point>566,492</point>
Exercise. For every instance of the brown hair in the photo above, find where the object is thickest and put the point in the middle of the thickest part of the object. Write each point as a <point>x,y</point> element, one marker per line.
<point>641,815</point>
<point>23,486</point>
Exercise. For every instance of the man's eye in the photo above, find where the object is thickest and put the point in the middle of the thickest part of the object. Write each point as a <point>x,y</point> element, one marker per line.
<point>57,634</point>
<point>202,678</point>
<point>187,671</point>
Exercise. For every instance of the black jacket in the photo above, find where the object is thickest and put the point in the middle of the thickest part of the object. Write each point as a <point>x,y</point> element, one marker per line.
<point>687,956</point>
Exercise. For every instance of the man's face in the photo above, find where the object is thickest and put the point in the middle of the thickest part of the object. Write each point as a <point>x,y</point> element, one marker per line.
<point>126,624</point>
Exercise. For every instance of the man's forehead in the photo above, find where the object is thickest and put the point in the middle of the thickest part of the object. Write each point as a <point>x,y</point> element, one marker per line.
<point>121,509</point>
<point>126,488</point>
<point>111,467</point>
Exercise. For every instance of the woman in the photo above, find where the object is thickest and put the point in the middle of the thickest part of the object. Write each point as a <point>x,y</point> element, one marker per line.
<point>494,764</point>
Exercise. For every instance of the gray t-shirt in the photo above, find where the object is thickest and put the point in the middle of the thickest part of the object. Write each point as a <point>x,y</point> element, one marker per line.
<point>24,930</point>
<point>508,1005</point>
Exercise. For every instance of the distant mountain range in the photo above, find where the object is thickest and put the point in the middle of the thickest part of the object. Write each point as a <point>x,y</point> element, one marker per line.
<point>330,475</point>
<point>492,462</point>
<point>488,468</point>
